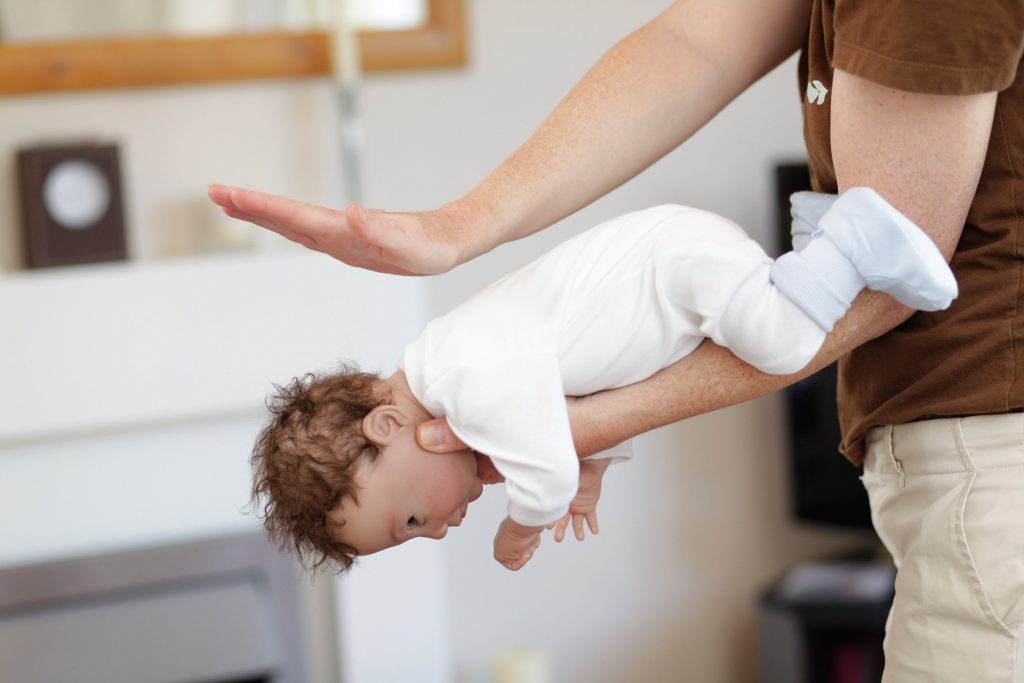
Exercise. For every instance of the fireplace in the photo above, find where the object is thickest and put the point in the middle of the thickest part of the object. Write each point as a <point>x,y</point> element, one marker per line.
<point>222,610</point>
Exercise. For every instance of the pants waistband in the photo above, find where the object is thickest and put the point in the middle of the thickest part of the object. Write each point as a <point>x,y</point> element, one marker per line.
<point>947,445</point>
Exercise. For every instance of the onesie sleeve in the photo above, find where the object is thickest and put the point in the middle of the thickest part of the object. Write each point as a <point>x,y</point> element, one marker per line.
<point>514,411</point>
<point>622,452</point>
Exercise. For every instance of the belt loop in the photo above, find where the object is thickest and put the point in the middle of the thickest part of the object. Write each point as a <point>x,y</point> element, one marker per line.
<point>895,461</point>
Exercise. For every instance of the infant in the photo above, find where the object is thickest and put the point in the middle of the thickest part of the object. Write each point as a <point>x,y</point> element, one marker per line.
<point>339,466</point>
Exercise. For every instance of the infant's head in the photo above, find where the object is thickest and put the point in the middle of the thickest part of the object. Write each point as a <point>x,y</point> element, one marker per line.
<point>340,474</point>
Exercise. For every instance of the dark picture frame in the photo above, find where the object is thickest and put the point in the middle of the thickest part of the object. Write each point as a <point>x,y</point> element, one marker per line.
<point>50,238</point>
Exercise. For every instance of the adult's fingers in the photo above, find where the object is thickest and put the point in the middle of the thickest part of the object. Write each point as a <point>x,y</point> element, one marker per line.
<point>304,240</point>
<point>263,221</point>
<point>385,236</point>
<point>219,194</point>
<point>314,221</point>
<point>437,437</point>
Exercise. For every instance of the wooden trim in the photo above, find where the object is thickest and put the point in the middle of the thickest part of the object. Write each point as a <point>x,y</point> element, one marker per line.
<point>138,62</point>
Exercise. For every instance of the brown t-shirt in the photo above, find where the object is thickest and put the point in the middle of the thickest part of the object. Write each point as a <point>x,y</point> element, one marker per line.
<point>968,359</point>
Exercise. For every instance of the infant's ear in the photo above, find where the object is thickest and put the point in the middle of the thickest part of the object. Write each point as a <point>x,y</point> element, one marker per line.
<point>383,423</point>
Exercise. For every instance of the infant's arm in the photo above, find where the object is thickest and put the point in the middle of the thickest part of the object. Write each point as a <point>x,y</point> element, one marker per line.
<point>487,406</point>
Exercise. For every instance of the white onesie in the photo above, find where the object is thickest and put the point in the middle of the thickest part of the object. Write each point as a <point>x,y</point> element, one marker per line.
<point>607,308</point>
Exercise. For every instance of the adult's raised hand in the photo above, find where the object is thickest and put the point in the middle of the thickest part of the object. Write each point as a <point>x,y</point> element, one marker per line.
<point>399,243</point>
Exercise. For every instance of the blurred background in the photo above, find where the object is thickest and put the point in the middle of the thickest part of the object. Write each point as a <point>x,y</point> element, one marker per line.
<point>134,379</point>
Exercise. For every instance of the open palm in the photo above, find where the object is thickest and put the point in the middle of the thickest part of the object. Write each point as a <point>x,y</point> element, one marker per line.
<point>397,243</point>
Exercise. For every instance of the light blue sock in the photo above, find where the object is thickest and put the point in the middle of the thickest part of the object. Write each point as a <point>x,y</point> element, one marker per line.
<point>861,240</point>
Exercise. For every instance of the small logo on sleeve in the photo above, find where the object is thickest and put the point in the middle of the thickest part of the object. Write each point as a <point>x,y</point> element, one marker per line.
<point>816,92</point>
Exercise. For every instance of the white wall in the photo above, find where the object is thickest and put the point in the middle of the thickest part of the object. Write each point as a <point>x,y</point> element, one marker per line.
<point>690,531</point>
<point>133,393</point>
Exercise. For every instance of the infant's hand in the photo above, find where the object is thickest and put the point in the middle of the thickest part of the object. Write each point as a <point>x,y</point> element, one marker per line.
<point>514,543</point>
<point>584,505</point>
<point>486,470</point>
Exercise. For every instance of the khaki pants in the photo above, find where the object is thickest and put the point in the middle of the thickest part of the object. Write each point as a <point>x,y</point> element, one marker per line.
<point>947,499</point>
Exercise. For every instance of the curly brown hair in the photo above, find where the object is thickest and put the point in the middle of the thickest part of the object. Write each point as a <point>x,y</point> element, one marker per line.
<point>305,458</point>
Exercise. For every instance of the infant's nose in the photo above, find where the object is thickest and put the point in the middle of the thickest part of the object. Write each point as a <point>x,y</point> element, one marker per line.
<point>439,533</point>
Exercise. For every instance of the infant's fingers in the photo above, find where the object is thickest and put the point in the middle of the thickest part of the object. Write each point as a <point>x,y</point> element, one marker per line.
<point>560,528</point>
<point>507,563</point>
<point>577,526</point>
<point>492,478</point>
<point>592,521</point>
<point>518,563</point>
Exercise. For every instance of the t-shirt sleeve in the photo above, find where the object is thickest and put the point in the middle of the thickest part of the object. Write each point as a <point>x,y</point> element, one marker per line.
<point>941,47</point>
<point>514,411</point>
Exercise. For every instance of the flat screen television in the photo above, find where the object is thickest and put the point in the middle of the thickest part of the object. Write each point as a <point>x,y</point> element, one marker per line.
<point>825,487</point>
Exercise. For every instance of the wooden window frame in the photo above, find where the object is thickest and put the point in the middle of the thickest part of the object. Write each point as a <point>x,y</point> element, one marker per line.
<point>143,62</point>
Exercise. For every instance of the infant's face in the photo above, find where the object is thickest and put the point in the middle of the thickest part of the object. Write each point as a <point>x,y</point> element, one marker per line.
<point>407,493</point>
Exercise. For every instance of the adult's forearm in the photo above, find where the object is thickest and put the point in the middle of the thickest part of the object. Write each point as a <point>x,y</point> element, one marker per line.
<point>643,98</point>
<point>924,153</point>
<point>711,378</point>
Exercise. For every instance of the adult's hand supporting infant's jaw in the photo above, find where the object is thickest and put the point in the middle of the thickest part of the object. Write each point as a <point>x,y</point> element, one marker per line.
<point>424,243</point>
<point>437,437</point>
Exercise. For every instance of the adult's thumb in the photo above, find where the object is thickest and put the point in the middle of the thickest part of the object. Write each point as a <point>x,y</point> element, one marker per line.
<point>437,437</point>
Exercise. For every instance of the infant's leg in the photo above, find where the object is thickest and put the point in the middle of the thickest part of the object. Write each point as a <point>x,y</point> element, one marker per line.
<point>862,240</point>
<point>710,269</point>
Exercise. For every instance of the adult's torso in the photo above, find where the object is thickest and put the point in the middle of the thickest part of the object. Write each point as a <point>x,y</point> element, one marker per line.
<point>968,359</point>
